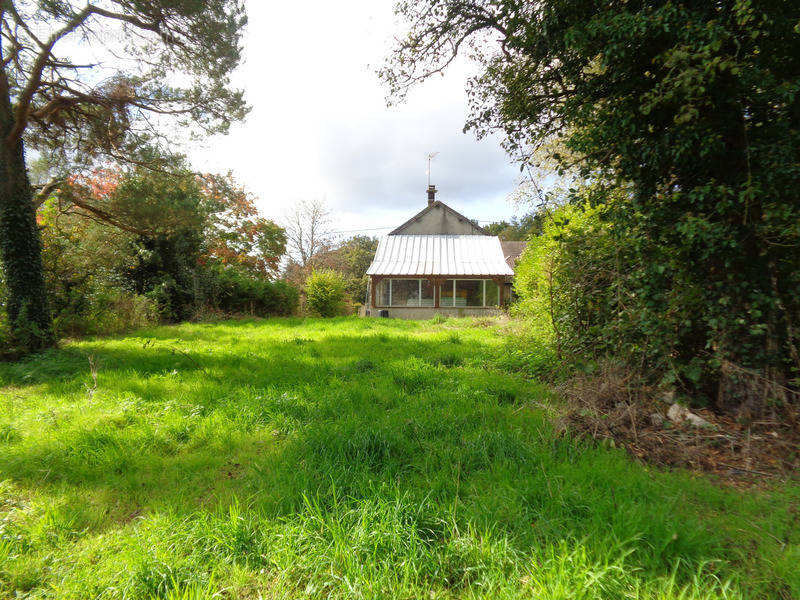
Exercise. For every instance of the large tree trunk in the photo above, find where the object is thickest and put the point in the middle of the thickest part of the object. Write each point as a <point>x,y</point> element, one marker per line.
<point>20,245</point>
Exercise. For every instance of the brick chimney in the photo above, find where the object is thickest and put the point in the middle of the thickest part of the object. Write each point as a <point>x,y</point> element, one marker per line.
<point>431,194</point>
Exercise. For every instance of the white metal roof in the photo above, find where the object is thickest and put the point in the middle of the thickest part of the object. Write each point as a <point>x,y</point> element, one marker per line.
<point>439,255</point>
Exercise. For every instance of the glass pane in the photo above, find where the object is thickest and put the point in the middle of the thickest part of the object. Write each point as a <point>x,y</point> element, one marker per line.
<point>382,293</point>
<point>427,293</point>
<point>469,292</point>
<point>492,293</point>
<point>446,298</point>
<point>405,292</point>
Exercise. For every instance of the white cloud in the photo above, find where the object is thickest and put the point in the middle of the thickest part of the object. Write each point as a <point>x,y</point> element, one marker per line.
<point>320,126</point>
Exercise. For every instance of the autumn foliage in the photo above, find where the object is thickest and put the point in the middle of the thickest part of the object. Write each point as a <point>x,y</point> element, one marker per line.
<point>124,248</point>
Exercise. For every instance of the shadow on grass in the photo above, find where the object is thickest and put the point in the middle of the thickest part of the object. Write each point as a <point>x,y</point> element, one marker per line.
<point>158,408</point>
<point>369,416</point>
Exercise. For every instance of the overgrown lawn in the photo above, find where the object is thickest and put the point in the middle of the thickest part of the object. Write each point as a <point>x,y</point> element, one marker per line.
<point>347,458</point>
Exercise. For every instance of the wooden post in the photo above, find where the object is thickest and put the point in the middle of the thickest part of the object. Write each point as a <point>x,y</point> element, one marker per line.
<point>501,288</point>
<point>372,285</point>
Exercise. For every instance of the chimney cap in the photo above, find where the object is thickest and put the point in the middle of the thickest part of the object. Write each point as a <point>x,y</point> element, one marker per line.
<point>431,194</point>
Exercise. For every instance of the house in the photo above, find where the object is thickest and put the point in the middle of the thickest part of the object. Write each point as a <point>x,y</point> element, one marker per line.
<point>439,262</point>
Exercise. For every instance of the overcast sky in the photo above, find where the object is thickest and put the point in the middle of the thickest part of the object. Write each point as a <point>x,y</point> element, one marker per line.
<point>320,128</point>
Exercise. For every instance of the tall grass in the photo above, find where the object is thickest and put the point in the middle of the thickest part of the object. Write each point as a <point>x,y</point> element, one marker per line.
<point>346,458</point>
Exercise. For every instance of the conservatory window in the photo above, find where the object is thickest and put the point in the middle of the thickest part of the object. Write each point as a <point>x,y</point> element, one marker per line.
<point>492,293</point>
<point>469,292</point>
<point>405,292</point>
<point>383,292</point>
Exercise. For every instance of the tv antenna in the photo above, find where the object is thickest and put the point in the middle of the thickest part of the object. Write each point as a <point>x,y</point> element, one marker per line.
<point>430,158</point>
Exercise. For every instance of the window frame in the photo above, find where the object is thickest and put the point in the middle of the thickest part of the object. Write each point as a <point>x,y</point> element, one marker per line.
<point>453,297</point>
<point>437,289</point>
<point>419,304</point>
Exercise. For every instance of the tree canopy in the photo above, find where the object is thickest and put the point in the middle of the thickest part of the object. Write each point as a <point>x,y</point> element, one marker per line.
<point>88,83</point>
<point>148,61</point>
<point>518,229</point>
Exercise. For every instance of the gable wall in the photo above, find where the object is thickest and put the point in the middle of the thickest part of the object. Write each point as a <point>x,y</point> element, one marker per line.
<point>442,221</point>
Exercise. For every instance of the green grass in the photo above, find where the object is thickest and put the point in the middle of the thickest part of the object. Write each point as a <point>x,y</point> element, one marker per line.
<point>347,458</point>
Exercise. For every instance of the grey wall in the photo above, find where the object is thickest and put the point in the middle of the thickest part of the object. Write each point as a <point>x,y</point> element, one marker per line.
<point>422,312</point>
<point>440,220</point>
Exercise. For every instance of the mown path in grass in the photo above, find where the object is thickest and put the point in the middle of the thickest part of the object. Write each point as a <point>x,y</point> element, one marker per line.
<point>346,458</point>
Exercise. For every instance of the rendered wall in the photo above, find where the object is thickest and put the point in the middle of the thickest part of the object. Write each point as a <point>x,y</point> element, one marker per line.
<point>442,221</point>
<point>422,313</point>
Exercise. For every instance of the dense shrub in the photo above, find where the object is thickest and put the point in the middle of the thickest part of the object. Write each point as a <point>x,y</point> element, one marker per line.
<point>165,270</point>
<point>548,283</point>
<point>102,310</point>
<point>101,305</point>
<point>233,291</point>
<point>325,293</point>
<point>583,287</point>
<point>579,285</point>
<point>575,283</point>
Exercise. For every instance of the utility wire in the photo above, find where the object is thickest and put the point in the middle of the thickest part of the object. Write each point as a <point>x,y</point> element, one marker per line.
<point>382,228</point>
<point>360,230</point>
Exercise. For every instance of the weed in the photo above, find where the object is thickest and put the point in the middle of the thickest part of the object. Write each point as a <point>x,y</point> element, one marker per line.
<point>363,365</point>
<point>9,434</point>
<point>448,360</point>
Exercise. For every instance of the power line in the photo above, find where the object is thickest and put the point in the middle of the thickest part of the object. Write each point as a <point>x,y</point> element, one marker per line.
<point>390,227</point>
<point>361,230</point>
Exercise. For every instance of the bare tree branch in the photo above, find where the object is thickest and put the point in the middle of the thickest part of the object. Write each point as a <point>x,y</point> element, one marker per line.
<point>308,230</point>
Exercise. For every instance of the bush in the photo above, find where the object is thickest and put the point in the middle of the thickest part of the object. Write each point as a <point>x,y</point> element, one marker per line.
<point>116,311</point>
<point>325,293</point>
<point>577,288</point>
<point>558,284</point>
<point>232,291</point>
<point>584,289</point>
<point>100,304</point>
<point>103,309</point>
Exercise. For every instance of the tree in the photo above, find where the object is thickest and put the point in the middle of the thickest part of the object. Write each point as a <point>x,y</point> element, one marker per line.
<point>166,217</point>
<point>518,229</point>
<point>235,233</point>
<point>77,115</point>
<point>138,200</point>
<point>351,258</point>
<point>308,230</point>
<point>690,108</point>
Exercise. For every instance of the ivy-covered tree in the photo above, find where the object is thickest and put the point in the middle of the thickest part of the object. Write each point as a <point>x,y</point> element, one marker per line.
<point>160,60</point>
<point>691,107</point>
